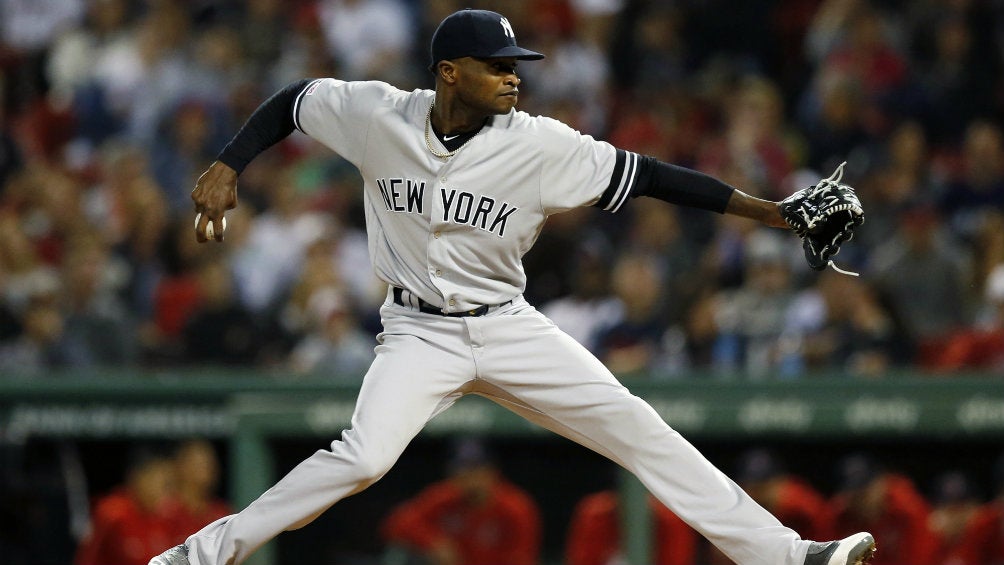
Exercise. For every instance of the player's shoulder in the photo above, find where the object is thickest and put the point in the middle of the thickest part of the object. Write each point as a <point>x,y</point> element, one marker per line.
<point>360,88</point>
<point>546,131</point>
<point>365,99</point>
<point>518,120</point>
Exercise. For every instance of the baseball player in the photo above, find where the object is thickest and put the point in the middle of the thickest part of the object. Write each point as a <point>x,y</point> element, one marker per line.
<point>457,186</point>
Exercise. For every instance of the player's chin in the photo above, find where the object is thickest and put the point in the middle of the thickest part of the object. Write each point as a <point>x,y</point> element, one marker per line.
<point>507,102</point>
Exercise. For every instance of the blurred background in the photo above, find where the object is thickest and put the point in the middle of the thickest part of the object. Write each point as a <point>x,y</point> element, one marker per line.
<point>129,353</point>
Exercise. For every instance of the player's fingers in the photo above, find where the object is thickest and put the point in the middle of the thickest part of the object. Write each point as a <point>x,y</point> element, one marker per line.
<point>218,227</point>
<point>206,227</point>
<point>200,227</point>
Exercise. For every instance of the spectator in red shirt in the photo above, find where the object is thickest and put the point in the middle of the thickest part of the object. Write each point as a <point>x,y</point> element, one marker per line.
<point>982,542</point>
<point>594,536</point>
<point>984,539</point>
<point>129,526</point>
<point>955,509</point>
<point>790,498</point>
<point>194,503</point>
<point>890,507</point>
<point>474,517</point>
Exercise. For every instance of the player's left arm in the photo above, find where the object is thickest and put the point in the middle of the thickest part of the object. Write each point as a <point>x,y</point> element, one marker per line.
<point>764,211</point>
<point>687,187</point>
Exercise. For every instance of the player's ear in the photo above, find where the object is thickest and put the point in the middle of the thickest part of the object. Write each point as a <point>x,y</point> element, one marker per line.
<point>447,71</point>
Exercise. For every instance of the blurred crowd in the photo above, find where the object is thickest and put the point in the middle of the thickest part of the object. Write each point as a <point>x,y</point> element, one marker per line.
<point>952,521</point>
<point>112,108</point>
<point>476,516</point>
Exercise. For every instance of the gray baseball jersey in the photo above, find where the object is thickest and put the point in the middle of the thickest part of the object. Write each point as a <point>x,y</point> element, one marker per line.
<point>436,226</point>
<point>448,227</point>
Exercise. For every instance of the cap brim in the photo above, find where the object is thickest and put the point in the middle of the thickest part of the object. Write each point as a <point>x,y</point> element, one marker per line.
<point>517,52</point>
<point>508,51</point>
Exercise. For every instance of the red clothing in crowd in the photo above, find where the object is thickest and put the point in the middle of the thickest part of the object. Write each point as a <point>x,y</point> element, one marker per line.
<point>504,530</point>
<point>175,299</point>
<point>594,534</point>
<point>969,349</point>
<point>800,507</point>
<point>185,521</point>
<point>982,542</point>
<point>900,527</point>
<point>122,533</point>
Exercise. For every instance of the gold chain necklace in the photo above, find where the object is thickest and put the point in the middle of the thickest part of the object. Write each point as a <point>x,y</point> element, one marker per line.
<point>428,137</point>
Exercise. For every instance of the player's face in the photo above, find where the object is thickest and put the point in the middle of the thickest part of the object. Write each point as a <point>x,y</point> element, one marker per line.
<point>489,86</point>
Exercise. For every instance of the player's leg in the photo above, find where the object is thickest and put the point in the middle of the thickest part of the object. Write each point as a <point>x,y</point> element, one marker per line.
<point>412,379</point>
<point>553,381</point>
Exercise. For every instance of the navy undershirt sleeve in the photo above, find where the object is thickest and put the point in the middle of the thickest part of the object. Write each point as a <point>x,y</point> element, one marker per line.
<point>680,185</point>
<point>269,124</point>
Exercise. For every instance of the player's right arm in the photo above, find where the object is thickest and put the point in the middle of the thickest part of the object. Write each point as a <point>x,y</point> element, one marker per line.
<point>331,111</point>
<point>216,190</point>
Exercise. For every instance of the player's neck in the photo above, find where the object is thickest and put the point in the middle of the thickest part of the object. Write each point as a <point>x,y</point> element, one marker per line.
<point>452,119</point>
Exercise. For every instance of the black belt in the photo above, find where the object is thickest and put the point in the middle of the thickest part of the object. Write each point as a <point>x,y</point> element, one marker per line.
<point>427,308</point>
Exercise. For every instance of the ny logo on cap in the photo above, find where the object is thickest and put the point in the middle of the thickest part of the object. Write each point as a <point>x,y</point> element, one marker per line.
<point>507,27</point>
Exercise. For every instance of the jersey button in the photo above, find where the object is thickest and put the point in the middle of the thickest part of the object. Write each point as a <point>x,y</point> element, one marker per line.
<point>452,302</point>
<point>436,235</point>
<point>439,272</point>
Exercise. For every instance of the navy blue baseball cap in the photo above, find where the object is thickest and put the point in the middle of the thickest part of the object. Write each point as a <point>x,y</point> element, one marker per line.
<point>476,33</point>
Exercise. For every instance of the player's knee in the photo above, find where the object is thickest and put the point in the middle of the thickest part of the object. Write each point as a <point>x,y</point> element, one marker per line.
<point>371,465</point>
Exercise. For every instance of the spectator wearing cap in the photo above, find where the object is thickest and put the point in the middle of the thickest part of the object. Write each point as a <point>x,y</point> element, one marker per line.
<point>473,517</point>
<point>887,504</point>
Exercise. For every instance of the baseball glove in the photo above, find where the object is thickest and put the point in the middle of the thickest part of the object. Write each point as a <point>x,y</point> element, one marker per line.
<point>824,217</point>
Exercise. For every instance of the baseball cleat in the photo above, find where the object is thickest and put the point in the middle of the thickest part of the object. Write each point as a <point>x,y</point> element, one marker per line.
<point>857,549</point>
<point>177,555</point>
